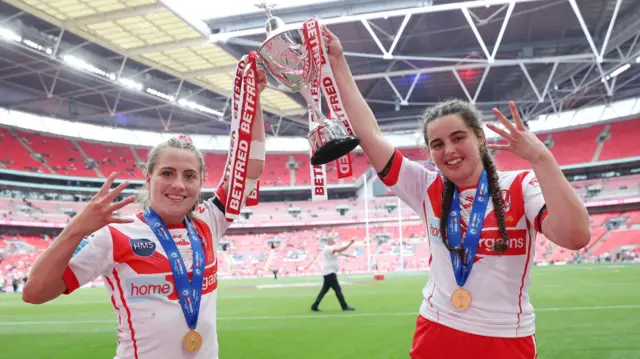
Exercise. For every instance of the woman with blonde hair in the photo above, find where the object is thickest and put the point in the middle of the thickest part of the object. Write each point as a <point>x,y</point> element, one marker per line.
<point>160,265</point>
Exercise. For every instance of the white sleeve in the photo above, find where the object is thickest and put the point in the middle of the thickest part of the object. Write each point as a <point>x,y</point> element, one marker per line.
<point>93,258</point>
<point>212,210</point>
<point>408,180</point>
<point>534,205</point>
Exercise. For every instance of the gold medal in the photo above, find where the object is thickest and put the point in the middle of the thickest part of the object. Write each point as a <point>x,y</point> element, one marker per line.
<point>192,341</point>
<point>461,299</point>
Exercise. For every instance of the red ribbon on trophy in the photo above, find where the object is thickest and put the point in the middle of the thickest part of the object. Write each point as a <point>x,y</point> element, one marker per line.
<point>327,83</point>
<point>243,114</point>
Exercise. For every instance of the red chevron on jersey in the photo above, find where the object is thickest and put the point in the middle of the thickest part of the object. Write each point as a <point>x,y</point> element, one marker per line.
<point>123,253</point>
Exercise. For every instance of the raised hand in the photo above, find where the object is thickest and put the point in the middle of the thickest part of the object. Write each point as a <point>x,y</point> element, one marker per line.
<point>520,141</point>
<point>262,79</point>
<point>332,45</point>
<point>98,212</point>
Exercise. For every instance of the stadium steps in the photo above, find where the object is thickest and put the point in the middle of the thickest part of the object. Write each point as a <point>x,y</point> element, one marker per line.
<point>374,254</point>
<point>84,154</point>
<point>605,134</point>
<point>315,262</point>
<point>600,240</point>
<point>31,151</point>
<point>270,257</point>
<point>311,263</point>
<point>292,173</point>
<point>594,243</point>
<point>139,161</point>
<point>228,261</point>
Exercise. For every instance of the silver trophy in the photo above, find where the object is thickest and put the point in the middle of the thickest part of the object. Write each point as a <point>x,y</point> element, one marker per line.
<point>283,53</point>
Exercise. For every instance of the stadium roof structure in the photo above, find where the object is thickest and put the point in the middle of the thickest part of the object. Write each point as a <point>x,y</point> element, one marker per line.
<point>167,65</point>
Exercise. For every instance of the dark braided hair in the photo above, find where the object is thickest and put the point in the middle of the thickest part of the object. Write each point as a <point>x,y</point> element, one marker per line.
<point>471,117</point>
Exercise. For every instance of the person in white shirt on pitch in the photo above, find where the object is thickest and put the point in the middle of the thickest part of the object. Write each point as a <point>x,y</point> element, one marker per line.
<point>330,267</point>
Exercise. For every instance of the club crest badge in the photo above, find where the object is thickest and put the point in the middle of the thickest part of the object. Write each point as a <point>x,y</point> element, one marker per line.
<point>506,199</point>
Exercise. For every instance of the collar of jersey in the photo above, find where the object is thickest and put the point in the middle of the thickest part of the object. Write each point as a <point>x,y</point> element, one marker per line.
<point>467,188</point>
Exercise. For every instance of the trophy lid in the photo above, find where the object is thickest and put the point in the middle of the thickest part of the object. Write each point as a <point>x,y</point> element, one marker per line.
<point>283,52</point>
<point>273,23</point>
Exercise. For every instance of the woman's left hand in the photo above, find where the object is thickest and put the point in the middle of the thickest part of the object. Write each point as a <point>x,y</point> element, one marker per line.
<point>262,79</point>
<point>520,141</point>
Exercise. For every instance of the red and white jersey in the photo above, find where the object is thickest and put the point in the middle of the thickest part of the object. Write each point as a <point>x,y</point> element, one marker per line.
<point>138,276</point>
<point>498,285</point>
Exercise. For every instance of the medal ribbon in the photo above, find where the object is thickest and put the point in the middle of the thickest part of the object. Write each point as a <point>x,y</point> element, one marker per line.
<point>243,114</point>
<point>327,83</point>
<point>462,261</point>
<point>189,292</point>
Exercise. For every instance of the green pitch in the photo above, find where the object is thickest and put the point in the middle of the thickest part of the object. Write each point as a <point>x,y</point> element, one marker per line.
<point>583,311</point>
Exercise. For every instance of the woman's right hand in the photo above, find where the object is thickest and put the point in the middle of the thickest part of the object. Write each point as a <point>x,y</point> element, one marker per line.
<point>332,45</point>
<point>98,212</point>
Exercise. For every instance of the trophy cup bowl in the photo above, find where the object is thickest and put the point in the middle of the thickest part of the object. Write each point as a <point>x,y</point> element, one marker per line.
<point>284,54</point>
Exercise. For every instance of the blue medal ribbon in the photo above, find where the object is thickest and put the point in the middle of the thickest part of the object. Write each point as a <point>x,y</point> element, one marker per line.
<point>189,292</point>
<point>462,259</point>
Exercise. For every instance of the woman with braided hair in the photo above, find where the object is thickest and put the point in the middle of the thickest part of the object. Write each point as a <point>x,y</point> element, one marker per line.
<point>481,223</point>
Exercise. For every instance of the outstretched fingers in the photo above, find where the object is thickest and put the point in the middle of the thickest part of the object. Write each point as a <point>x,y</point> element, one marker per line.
<point>505,122</point>
<point>262,75</point>
<point>504,134</point>
<point>125,202</point>
<point>327,35</point>
<point>116,191</point>
<point>116,219</point>
<point>495,146</point>
<point>326,31</point>
<point>516,116</point>
<point>111,209</point>
<point>107,184</point>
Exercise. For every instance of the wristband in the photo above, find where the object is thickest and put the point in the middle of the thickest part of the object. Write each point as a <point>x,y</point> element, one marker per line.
<point>257,150</point>
<point>251,184</point>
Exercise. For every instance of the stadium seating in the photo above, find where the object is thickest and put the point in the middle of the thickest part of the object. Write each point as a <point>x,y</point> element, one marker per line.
<point>616,239</point>
<point>16,155</point>
<point>33,152</point>
<point>575,146</point>
<point>297,250</point>
<point>60,154</point>
<point>623,142</point>
<point>633,217</point>
<point>112,158</point>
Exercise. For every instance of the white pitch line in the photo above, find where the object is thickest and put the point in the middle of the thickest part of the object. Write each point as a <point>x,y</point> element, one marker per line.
<point>567,309</point>
<point>321,316</point>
